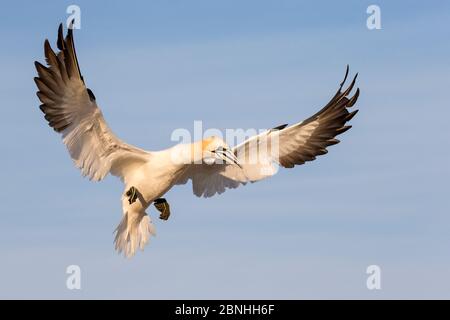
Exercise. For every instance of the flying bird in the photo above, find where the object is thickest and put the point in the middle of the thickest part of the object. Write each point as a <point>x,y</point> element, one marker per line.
<point>211,164</point>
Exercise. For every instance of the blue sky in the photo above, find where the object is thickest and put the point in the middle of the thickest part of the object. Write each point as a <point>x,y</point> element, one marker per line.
<point>380,197</point>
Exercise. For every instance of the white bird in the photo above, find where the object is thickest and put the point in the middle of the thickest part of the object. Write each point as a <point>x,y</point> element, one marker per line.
<point>212,166</point>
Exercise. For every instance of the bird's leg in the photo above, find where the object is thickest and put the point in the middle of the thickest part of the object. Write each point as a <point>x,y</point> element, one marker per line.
<point>163,206</point>
<point>132,194</point>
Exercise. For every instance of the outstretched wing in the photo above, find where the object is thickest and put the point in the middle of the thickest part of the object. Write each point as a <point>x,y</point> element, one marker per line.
<point>70,109</point>
<point>283,145</point>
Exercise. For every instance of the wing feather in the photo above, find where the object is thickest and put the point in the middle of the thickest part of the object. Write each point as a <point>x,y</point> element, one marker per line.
<point>70,109</point>
<point>260,155</point>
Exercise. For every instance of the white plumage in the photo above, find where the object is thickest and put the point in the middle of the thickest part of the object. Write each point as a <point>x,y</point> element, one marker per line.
<point>211,165</point>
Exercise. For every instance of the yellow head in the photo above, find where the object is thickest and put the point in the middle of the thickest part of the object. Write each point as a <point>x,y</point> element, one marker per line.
<point>214,150</point>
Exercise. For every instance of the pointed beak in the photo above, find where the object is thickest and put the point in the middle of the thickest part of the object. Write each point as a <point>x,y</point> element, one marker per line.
<point>228,156</point>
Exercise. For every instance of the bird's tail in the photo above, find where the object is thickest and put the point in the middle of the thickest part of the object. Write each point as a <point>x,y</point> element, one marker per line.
<point>133,232</point>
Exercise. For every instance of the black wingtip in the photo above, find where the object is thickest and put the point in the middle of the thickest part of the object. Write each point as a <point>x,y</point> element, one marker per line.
<point>353,99</point>
<point>71,24</point>
<point>38,65</point>
<point>350,87</point>
<point>91,95</point>
<point>351,115</point>
<point>60,42</point>
<point>70,29</point>
<point>47,46</point>
<point>347,70</point>
<point>343,129</point>
<point>281,127</point>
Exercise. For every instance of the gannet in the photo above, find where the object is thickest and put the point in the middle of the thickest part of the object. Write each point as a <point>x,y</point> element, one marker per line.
<point>211,164</point>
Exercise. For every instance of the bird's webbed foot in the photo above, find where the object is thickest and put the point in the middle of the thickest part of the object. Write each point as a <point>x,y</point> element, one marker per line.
<point>132,195</point>
<point>163,206</point>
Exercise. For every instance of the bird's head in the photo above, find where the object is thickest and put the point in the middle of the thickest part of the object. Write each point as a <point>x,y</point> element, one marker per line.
<point>215,150</point>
